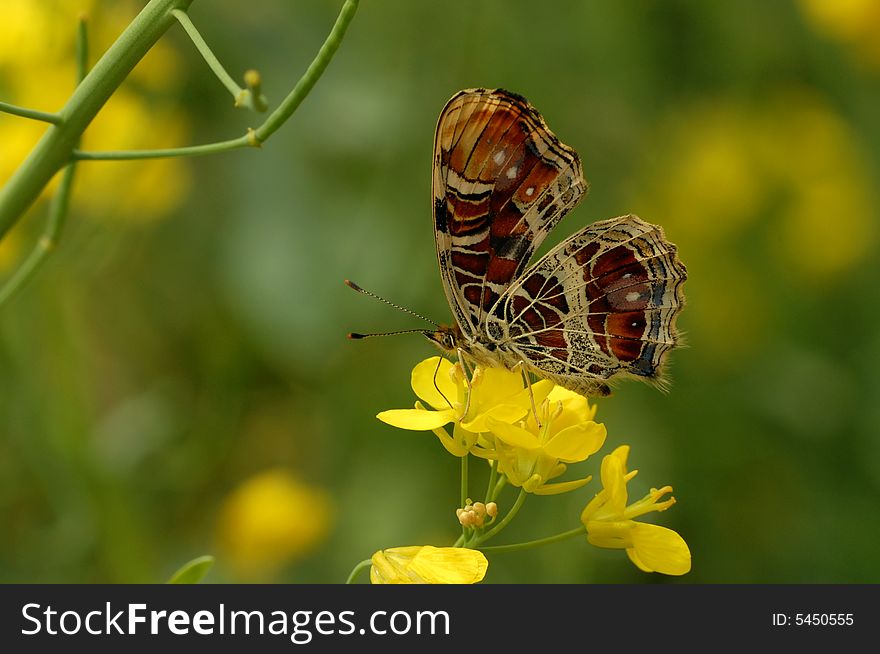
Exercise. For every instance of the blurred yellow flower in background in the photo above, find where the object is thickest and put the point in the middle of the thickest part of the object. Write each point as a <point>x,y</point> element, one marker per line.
<point>428,565</point>
<point>38,70</point>
<point>778,192</point>
<point>271,520</point>
<point>855,23</point>
<point>609,521</point>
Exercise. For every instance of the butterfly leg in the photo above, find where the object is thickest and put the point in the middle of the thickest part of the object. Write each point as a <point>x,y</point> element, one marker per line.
<point>528,382</point>
<point>467,380</point>
<point>436,387</point>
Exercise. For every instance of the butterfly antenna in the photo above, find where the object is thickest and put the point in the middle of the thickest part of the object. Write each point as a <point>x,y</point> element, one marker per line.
<point>355,336</point>
<point>354,286</point>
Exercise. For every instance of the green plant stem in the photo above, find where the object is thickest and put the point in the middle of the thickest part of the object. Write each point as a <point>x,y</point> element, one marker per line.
<point>366,563</point>
<point>277,118</point>
<point>33,114</point>
<point>464,479</point>
<point>188,151</point>
<point>44,247</point>
<point>60,204</point>
<point>502,482</point>
<point>493,476</point>
<point>520,500</point>
<point>54,149</point>
<point>565,535</point>
<point>464,487</point>
<point>207,54</point>
<point>258,136</point>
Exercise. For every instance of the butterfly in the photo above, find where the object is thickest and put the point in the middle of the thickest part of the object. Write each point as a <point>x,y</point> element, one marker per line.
<point>600,305</point>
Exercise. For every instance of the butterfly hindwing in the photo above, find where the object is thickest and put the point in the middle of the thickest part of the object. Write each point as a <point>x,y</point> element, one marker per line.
<point>602,302</point>
<point>502,180</point>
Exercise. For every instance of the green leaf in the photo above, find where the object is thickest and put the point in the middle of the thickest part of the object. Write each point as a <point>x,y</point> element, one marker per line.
<point>192,572</point>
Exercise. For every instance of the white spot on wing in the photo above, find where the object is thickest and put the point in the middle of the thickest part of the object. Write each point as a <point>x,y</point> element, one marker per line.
<point>499,157</point>
<point>632,296</point>
<point>530,190</point>
<point>511,172</point>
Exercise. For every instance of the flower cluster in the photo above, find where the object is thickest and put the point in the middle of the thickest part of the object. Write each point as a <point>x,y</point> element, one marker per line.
<point>529,434</point>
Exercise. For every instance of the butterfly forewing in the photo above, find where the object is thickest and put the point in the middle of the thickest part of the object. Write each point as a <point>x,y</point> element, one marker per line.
<point>501,181</point>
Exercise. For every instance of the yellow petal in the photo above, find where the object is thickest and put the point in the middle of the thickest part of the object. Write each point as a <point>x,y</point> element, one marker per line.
<point>449,443</point>
<point>540,391</point>
<point>416,419</point>
<point>423,377</point>
<point>613,471</point>
<point>502,412</point>
<point>575,408</point>
<point>577,442</point>
<point>658,549</point>
<point>514,436</point>
<point>613,534</point>
<point>389,566</point>
<point>498,385</point>
<point>594,505</point>
<point>428,565</point>
<point>561,487</point>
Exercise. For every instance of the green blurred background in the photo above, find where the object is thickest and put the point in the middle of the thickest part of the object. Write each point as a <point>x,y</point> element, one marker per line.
<point>176,381</point>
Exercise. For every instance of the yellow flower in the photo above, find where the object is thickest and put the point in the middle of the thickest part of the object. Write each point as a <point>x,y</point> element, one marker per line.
<point>853,22</point>
<point>495,394</point>
<point>428,565</point>
<point>271,520</point>
<point>531,455</point>
<point>609,521</point>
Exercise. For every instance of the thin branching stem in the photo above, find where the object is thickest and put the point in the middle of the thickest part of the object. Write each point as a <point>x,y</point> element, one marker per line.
<point>188,151</point>
<point>207,54</point>
<point>256,137</point>
<point>60,204</point>
<point>278,117</point>
<point>513,547</point>
<point>44,247</point>
<point>54,149</point>
<point>363,565</point>
<point>33,114</point>
<point>520,500</point>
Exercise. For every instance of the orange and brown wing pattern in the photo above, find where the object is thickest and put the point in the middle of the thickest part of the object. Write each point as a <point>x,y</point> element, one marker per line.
<point>502,180</point>
<point>602,302</point>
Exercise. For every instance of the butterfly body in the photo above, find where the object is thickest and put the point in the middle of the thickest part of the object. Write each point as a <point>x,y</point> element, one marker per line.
<point>601,304</point>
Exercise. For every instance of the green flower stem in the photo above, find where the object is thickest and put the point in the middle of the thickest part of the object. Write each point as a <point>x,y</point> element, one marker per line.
<point>366,563</point>
<point>33,114</point>
<point>464,479</point>
<point>54,149</point>
<point>502,482</point>
<point>277,118</point>
<point>254,138</point>
<point>493,477</point>
<point>459,542</point>
<point>464,487</point>
<point>565,535</point>
<point>520,500</point>
<point>209,57</point>
<point>58,207</point>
